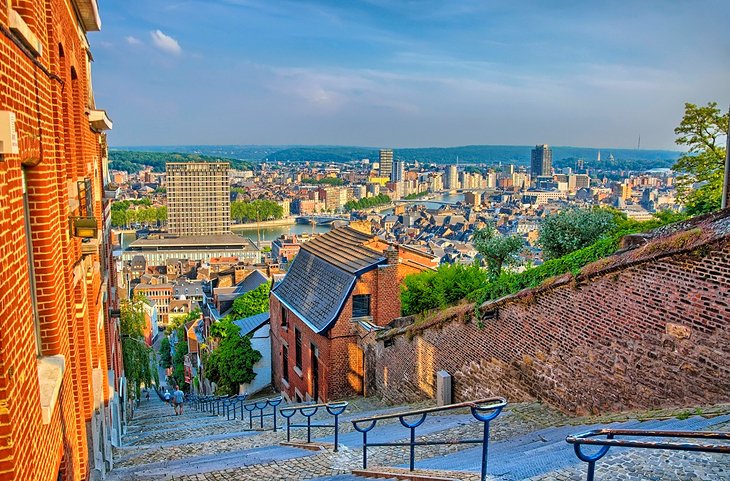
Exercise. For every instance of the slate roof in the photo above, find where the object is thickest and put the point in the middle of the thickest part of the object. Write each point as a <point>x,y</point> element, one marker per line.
<point>323,274</point>
<point>250,324</point>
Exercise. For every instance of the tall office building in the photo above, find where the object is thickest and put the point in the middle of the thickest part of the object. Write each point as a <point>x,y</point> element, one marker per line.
<point>542,161</point>
<point>386,163</point>
<point>198,198</point>
<point>398,173</point>
<point>452,178</point>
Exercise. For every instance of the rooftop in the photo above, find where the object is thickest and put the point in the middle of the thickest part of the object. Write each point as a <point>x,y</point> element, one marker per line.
<point>195,242</point>
<point>345,249</point>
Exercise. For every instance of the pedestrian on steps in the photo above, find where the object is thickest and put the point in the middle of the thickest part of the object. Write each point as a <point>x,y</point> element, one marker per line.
<point>177,401</point>
<point>167,396</point>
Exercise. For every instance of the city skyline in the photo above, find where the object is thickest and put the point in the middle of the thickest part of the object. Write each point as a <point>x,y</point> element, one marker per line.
<point>407,74</point>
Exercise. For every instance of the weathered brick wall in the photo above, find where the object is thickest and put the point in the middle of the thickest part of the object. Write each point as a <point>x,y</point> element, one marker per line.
<point>653,334</point>
<point>56,147</point>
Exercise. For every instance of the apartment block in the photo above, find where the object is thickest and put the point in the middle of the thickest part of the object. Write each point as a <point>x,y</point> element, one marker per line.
<point>198,198</point>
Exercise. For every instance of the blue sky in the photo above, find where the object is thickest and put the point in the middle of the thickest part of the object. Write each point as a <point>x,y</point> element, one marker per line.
<point>407,73</point>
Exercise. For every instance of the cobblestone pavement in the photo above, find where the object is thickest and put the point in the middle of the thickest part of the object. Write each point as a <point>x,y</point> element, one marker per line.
<point>200,447</point>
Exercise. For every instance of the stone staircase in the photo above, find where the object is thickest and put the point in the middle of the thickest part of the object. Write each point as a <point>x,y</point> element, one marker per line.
<point>527,442</point>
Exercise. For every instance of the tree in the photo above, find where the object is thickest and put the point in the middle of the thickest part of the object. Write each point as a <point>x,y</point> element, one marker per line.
<point>165,356</point>
<point>231,362</point>
<point>178,359</point>
<point>573,229</point>
<point>496,249</point>
<point>437,289</point>
<point>138,358</point>
<point>702,130</point>
<point>251,303</point>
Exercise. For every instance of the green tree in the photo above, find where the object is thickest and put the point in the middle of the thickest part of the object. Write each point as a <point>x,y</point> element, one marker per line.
<point>498,250</point>
<point>231,362</point>
<point>138,358</point>
<point>573,229</point>
<point>251,303</point>
<point>437,289</point>
<point>178,359</point>
<point>701,130</point>
<point>165,355</point>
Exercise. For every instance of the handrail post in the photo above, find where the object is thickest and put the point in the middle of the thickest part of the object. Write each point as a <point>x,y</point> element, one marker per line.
<point>413,449</point>
<point>337,431</point>
<point>275,416</point>
<point>485,451</point>
<point>364,450</point>
<point>309,429</point>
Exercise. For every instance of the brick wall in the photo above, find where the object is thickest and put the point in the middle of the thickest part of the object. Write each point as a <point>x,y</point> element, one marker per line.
<point>57,148</point>
<point>651,334</point>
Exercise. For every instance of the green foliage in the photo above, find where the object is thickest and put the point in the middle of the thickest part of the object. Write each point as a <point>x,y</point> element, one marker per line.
<point>416,195</point>
<point>165,354</point>
<point>334,181</point>
<point>178,322</point>
<point>133,161</point>
<point>231,362</point>
<point>498,250</point>
<point>251,303</point>
<point>367,202</point>
<point>573,229</point>
<point>437,289</point>
<point>138,358</point>
<point>702,130</point>
<point>510,283</point>
<point>178,359</point>
<point>256,210</point>
<point>123,216</point>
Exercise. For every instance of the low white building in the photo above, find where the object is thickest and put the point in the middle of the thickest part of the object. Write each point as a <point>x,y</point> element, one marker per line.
<point>258,328</point>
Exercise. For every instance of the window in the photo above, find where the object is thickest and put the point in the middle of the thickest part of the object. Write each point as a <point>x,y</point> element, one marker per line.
<point>284,320</point>
<point>31,267</point>
<point>285,363</point>
<point>298,348</point>
<point>361,305</point>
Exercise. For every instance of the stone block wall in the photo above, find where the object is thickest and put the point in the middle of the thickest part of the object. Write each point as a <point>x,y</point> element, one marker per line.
<point>651,334</point>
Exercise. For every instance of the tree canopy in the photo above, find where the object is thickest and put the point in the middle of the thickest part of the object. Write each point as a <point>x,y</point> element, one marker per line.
<point>367,202</point>
<point>251,303</point>
<point>498,250</point>
<point>702,130</point>
<point>138,358</point>
<point>256,210</point>
<point>437,289</point>
<point>569,230</point>
<point>231,362</point>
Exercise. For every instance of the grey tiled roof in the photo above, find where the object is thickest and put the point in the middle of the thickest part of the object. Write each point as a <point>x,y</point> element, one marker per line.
<point>315,290</point>
<point>344,248</point>
<point>323,274</point>
<point>250,324</point>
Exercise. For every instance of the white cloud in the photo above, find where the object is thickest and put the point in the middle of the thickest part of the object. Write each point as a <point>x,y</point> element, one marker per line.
<point>165,43</point>
<point>133,40</point>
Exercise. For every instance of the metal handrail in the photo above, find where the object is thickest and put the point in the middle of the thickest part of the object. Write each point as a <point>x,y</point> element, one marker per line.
<point>308,410</point>
<point>260,405</point>
<point>232,401</point>
<point>484,410</point>
<point>588,437</point>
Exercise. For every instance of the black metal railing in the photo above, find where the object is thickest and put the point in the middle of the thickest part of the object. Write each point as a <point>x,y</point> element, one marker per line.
<point>589,437</point>
<point>484,410</point>
<point>262,407</point>
<point>334,409</point>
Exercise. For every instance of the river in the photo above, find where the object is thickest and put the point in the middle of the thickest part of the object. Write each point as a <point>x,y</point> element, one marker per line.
<point>272,232</point>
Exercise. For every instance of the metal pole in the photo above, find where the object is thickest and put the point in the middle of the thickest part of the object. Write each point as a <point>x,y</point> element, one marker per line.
<point>726,182</point>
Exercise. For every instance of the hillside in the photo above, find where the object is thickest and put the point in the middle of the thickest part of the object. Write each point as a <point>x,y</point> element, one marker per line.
<point>133,161</point>
<point>630,159</point>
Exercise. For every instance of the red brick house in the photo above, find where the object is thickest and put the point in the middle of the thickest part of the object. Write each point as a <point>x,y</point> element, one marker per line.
<point>338,281</point>
<point>60,357</point>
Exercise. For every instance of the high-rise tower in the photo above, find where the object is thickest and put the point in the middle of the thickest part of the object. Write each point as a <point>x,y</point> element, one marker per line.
<point>198,198</point>
<point>386,163</point>
<point>398,173</point>
<point>542,161</point>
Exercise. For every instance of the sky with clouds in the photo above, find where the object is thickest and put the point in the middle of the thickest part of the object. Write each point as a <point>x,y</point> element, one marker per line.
<point>408,73</point>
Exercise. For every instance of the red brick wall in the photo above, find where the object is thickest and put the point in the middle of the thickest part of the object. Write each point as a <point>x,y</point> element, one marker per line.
<point>650,335</point>
<point>57,146</point>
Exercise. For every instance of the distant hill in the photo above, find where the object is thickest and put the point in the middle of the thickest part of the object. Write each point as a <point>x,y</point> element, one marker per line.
<point>133,161</point>
<point>628,159</point>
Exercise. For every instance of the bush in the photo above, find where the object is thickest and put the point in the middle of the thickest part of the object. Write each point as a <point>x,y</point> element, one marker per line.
<point>573,229</point>
<point>437,289</point>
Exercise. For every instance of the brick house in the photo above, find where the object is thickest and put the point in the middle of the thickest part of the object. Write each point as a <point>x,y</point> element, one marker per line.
<point>337,281</point>
<point>59,350</point>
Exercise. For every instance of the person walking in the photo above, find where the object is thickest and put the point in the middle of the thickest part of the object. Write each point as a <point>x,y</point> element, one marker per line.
<point>167,396</point>
<point>178,399</point>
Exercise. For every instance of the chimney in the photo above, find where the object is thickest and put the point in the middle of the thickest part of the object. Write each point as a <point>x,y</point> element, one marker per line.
<point>391,255</point>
